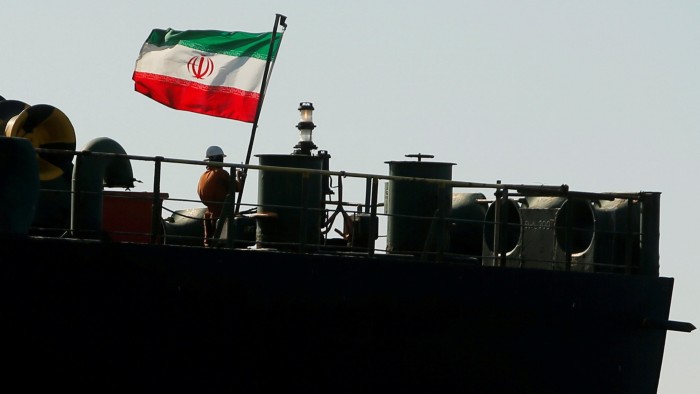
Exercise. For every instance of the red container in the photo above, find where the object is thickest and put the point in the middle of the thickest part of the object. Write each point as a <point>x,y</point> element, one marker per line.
<point>128,216</point>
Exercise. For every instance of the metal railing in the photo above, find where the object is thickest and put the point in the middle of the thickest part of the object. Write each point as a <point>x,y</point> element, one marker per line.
<point>624,233</point>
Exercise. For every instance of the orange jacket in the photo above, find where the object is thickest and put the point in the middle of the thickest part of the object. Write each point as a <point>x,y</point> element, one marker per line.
<point>213,187</point>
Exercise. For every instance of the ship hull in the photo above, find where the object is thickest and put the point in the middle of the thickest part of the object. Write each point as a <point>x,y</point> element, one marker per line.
<point>123,317</point>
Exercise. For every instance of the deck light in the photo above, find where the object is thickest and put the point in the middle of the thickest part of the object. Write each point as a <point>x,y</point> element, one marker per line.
<point>305,126</point>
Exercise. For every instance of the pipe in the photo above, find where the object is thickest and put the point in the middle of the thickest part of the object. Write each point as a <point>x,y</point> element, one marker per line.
<point>90,175</point>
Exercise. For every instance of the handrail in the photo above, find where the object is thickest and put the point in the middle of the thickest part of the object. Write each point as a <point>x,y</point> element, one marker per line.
<point>521,189</point>
<point>640,224</point>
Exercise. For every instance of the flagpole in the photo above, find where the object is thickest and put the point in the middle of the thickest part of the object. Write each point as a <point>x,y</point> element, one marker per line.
<point>279,20</point>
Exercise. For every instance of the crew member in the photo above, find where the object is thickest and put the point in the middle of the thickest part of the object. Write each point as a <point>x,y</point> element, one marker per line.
<point>213,186</point>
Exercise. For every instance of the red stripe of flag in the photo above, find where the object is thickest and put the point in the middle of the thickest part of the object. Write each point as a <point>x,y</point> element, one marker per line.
<point>220,101</point>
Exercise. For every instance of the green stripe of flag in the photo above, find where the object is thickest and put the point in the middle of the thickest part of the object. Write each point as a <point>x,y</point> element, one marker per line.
<point>240,44</point>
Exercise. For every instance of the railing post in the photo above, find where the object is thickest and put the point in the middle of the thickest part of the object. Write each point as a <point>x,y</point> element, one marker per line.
<point>629,237</point>
<point>497,227</point>
<point>373,217</point>
<point>442,233</point>
<point>229,212</point>
<point>368,191</point>
<point>503,228</point>
<point>157,202</point>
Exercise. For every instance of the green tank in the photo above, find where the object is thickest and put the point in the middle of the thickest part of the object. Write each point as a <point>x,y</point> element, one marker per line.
<point>290,204</point>
<point>417,210</point>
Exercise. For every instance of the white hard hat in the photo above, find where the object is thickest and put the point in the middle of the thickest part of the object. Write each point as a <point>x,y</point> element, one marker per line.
<point>214,151</point>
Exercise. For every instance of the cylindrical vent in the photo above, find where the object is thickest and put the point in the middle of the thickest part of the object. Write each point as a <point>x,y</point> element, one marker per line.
<point>509,236</point>
<point>290,204</point>
<point>417,210</point>
<point>574,225</point>
<point>617,237</point>
<point>47,127</point>
<point>467,223</point>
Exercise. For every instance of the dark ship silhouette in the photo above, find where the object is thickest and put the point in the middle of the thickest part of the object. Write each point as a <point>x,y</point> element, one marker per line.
<point>488,288</point>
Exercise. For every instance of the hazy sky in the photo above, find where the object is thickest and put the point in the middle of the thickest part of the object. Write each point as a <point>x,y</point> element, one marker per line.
<point>600,95</point>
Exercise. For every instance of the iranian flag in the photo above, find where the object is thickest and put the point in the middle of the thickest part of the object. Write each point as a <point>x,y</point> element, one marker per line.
<point>210,72</point>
